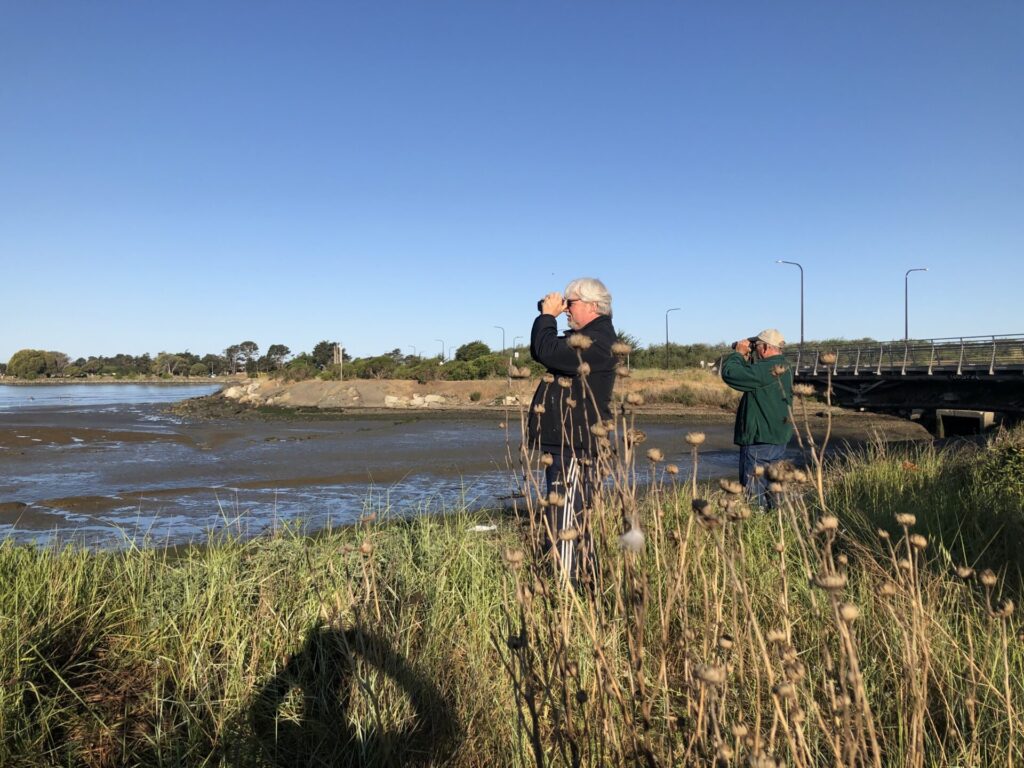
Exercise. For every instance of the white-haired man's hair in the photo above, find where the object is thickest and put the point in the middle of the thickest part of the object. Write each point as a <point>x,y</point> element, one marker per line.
<point>593,290</point>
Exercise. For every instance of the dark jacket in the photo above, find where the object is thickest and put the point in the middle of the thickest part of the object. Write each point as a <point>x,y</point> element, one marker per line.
<point>763,414</point>
<point>569,412</point>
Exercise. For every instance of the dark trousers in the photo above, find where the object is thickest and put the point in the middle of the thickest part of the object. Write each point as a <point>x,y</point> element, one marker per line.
<point>752,457</point>
<point>572,479</point>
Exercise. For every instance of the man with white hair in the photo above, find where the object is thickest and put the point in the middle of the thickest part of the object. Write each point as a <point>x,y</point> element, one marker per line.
<point>574,396</point>
<point>763,423</point>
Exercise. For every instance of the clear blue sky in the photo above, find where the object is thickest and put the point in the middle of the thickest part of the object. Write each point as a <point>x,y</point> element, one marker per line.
<point>189,175</point>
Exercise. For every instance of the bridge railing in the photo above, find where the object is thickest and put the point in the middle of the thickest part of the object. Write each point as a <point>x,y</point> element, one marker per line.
<point>989,355</point>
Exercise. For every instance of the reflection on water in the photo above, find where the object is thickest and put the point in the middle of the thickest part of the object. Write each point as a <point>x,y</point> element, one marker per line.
<point>49,395</point>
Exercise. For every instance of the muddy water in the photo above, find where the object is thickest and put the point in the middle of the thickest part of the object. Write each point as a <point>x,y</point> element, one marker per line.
<point>109,473</point>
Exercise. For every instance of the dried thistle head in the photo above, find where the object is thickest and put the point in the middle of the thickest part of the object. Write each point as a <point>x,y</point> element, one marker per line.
<point>888,589</point>
<point>621,349</point>
<point>710,674</point>
<point>568,534</point>
<point>570,402</point>
<point>1004,609</point>
<point>695,438</point>
<point>672,469</point>
<point>514,557</point>
<point>826,523</point>
<point>366,548</point>
<point>634,398</point>
<point>803,390</point>
<point>735,509</point>
<point>778,370</point>
<point>548,378</point>
<point>905,565</point>
<point>759,471</point>
<point>564,382</point>
<point>964,572</point>
<point>776,487</point>
<point>906,519</point>
<point>546,460</point>
<point>539,408</point>
<point>798,476</point>
<point>827,358</point>
<point>516,372</point>
<point>883,534</point>
<point>830,582</point>
<point>622,371</point>
<point>730,486</point>
<point>988,578</point>
<point>599,430</point>
<point>775,636</point>
<point>636,436</point>
<point>655,454</point>
<point>579,341</point>
<point>584,369</point>
<point>849,612</point>
<point>555,499</point>
<point>725,641</point>
<point>918,542</point>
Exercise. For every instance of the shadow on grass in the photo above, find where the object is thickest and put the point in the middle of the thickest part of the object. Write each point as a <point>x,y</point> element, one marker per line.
<point>316,689</point>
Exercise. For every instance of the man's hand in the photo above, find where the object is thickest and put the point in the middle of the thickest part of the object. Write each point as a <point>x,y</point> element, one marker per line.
<point>553,304</point>
<point>742,346</point>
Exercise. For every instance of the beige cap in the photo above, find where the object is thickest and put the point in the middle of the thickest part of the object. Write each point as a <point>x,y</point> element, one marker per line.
<point>771,337</point>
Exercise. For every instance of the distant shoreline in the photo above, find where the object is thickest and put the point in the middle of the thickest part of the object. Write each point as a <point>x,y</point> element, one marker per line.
<point>221,380</point>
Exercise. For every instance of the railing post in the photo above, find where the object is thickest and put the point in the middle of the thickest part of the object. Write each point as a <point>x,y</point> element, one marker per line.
<point>817,355</point>
<point>960,365</point>
<point>906,350</point>
<point>856,365</point>
<point>992,365</point>
<point>931,360</point>
<point>878,371</point>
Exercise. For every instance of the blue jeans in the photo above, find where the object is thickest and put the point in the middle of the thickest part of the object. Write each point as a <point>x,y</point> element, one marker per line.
<point>574,559</point>
<point>751,457</point>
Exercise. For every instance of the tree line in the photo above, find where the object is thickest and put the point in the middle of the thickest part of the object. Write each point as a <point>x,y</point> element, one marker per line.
<point>473,360</point>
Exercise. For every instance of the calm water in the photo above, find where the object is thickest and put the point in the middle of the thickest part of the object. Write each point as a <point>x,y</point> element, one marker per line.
<point>104,465</point>
<point>41,395</point>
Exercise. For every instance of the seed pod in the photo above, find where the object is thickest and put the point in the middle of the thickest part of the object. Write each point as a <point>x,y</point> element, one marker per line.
<point>568,534</point>
<point>776,487</point>
<point>695,438</point>
<point>655,454</point>
<point>555,499</point>
<point>672,469</point>
<point>803,390</point>
<point>599,430</point>
<point>636,436</point>
<point>546,460</point>
<point>730,486</point>
<point>710,674</point>
<point>776,636</point>
<point>1004,609</point>
<point>548,378</point>
<point>725,642</point>
<point>634,398</point>
<point>570,402</point>
<point>905,565</point>
<point>826,523</point>
<point>621,348</point>
<point>882,534</point>
<point>778,370</point>
<point>366,548</point>
<point>564,382</point>
<point>827,358</point>
<point>584,369</point>
<point>514,557</point>
<point>579,341</point>
<point>964,572</point>
<point>830,582</point>
<point>906,519</point>
<point>539,408</point>
<point>849,612</point>
<point>785,690</point>
<point>987,578</point>
<point>888,589</point>
<point>622,371</point>
<point>917,541</point>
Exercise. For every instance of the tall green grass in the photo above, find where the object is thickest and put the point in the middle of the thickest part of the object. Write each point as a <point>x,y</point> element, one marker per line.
<point>801,636</point>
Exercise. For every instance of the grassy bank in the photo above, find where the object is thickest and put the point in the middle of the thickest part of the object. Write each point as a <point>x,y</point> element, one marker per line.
<point>834,630</point>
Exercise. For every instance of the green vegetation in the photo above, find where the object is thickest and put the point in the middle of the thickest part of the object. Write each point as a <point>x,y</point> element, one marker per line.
<point>858,624</point>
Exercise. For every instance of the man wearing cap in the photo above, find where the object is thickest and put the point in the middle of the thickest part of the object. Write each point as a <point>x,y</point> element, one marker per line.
<point>763,424</point>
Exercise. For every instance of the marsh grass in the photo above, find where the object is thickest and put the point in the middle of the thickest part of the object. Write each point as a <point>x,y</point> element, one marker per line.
<point>803,636</point>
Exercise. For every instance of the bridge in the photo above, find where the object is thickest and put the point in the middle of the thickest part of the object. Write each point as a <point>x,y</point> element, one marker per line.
<point>955,385</point>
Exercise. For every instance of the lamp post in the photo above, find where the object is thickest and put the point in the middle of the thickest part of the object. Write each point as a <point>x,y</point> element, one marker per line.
<point>674,309</point>
<point>515,350</point>
<point>798,266</point>
<point>502,337</point>
<point>414,350</point>
<point>906,296</point>
<point>442,348</point>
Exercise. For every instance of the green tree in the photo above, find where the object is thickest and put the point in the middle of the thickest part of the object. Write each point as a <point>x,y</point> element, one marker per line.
<point>198,369</point>
<point>33,363</point>
<point>323,354</point>
<point>276,355</point>
<point>472,350</point>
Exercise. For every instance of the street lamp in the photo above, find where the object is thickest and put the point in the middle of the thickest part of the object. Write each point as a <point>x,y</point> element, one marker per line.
<point>502,337</point>
<point>515,352</point>
<point>795,264</point>
<point>414,350</point>
<point>906,293</point>
<point>674,309</point>
<point>442,348</point>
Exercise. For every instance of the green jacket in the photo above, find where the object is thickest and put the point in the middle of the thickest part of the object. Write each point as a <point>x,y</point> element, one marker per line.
<point>763,415</point>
